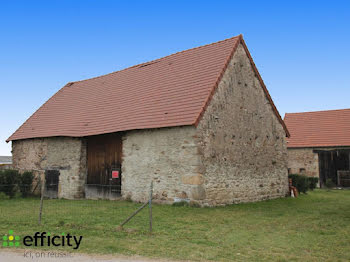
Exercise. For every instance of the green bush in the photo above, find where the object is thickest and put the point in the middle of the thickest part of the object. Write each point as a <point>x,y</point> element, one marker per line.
<point>312,182</point>
<point>329,183</point>
<point>8,181</point>
<point>300,182</point>
<point>3,196</point>
<point>11,182</point>
<point>2,181</point>
<point>25,183</point>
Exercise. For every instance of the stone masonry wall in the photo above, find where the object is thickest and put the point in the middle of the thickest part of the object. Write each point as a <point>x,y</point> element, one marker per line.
<point>236,154</point>
<point>242,144</point>
<point>168,156</point>
<point>68,155</point>
<point>303,158</point>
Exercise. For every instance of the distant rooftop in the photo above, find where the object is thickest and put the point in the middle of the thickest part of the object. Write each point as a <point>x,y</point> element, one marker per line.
<point>5,160</point>
<point>319,129</point>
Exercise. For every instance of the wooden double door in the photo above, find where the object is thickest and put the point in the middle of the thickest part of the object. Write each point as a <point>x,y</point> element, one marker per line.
<point>104,154</point>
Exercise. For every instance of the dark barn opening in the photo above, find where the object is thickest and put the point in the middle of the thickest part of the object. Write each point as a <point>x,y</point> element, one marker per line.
<point>51,183</point>
<point>334,165</point>
<point>104,157</point>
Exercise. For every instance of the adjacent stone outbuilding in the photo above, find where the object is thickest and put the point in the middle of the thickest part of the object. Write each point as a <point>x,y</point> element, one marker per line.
<point>319,145</point>
<point>200,124</point>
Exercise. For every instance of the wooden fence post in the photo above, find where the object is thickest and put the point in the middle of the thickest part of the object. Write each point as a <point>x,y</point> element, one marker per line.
<point>150,207</point>
<point>42,199</point>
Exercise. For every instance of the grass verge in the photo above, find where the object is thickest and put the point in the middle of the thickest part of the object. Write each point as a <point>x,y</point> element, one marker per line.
<point>313,227</point>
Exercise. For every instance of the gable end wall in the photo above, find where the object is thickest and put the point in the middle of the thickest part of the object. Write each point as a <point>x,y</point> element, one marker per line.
<point>241,141</point>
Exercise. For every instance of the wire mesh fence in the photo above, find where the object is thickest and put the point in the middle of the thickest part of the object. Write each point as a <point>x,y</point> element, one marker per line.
<point>100,207</point>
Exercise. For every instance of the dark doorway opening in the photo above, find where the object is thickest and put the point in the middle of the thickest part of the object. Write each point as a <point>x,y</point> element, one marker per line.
<point>104,166</point>
<point>332,164</point>
<point>51,183</point>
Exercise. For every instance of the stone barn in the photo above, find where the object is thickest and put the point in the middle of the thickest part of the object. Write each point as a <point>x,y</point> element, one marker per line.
<point>319,145</point>
<point>199,123</point>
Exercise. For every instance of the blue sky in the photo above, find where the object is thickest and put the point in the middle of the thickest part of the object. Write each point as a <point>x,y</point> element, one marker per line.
<point>301,48</point>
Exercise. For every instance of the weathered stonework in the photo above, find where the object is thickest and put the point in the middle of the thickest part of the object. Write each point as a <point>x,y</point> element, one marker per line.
<point>236,154</point>
<point>168,156</point>
<point>68,155</point>
<point>242,144</point>
<point>303,161</point>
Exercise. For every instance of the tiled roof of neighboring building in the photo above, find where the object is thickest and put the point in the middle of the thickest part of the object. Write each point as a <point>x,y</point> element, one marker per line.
<point>319,129</point>
<point>5,160</point>
<point>170,91</point>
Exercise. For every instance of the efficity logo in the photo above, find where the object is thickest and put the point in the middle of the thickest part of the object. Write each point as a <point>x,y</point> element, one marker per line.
<point>41,239</point>
<point>10,240</point>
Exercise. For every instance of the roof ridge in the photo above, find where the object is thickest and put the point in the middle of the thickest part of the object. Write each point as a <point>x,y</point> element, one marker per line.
<point>317,111</point>
<point>155,60</point>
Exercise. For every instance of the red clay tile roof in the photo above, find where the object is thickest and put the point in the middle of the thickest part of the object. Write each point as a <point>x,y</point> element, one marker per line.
<point>170,91</point>
<point>319,129</point>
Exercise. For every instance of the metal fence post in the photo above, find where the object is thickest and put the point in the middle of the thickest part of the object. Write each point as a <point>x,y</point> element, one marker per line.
<point>149,202</point>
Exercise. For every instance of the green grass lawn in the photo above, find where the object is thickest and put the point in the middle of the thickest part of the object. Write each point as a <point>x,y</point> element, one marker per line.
<point>313,227</point>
